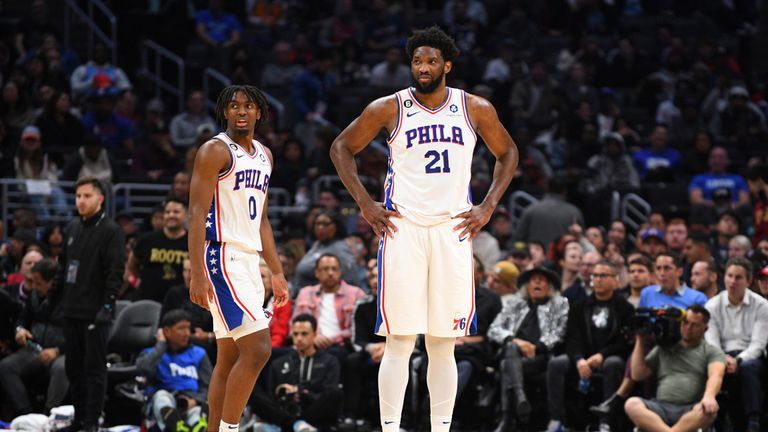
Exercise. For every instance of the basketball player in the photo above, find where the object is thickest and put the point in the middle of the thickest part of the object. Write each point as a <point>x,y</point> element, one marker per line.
<point>228,228</point>
<point>427,220</point>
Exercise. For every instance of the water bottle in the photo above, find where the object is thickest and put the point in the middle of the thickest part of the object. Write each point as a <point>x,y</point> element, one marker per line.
<point>584,385</point>
<point>34,345</point>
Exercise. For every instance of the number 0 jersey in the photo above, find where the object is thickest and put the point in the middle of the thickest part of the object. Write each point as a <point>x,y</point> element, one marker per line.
<point>238,201</point>
<point>430,159</point>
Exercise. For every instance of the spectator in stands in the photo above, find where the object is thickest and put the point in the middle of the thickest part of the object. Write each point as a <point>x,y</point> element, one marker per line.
<point>570,264</point>
<point>530,327</point>
<point>201,321</point>
<point>740,124</point>
<point>157,159</point>
<point>690,374</point>
<point>641,274</point>
<point>596,339</point>
<point>676,234</point>
<point>12,252</point>
<point>15,111</point>
<point>125,106</point>
<point>303,390</point>
<point>703,186</point>
<point>32,163</point>
<point>53,236</point>
<point>739,246</point>
<point>310,95</point>
<point>658,163</point>
<point>473,353</point>
<point>549,218</point>
<point>362,366</point>
<point>184,125</point>
<point>115,133</point>
<point>391,73</point>
<point>40,336</point>
<point>617,234</point>
<point>342,27</point>
<point>762,282</point>
<point>504,70</point>
<point>90,160</point>
<point>19,284</point>
<point>728,226</point>
<point>652,242</point>
<point>502,279</point>
<point>331,302</point>
<point>293,166</point>
<point>384,27</point>
<point>281,317</point>
<point>282,70</point>
<point>739,326</point>
<point>757,180</point>
<point>154,113</point>
<point>670,290</point>
<point>697,248</point>
<point>626,66</point>
<point>158,257</point>
<point>178,374</point>
<point>696,157</point>
<point>180,186</point>
<point>596,237</point>
<point>581,288</point>
<point>90,275</point>
<point>704,276</point>
<point>613,168</point>
<point>60,130</point>
<point>219,30</point>
<point>329,232</point>
<point>98,76</point>
<point>530,100</point>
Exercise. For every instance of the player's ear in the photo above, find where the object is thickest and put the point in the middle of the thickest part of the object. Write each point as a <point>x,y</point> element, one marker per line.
<point>448,66</point>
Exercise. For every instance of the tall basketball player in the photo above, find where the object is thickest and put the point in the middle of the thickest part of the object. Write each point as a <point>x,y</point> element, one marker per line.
<point>427,220</point>
<point>228,228</point>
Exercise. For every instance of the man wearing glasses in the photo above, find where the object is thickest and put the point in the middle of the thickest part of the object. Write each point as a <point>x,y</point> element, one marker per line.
<point>596,341</point>
<point>689,374</point>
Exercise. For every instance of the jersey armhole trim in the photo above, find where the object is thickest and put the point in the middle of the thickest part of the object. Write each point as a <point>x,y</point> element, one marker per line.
<point>232,164</point>
<point>466,113</point>
<point>399,119</point>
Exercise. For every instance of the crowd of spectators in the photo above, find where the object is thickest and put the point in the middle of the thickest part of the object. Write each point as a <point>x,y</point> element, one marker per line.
<point>658,98</point>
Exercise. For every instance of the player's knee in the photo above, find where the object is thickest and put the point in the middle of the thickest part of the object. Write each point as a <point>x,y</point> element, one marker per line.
<point>400,346</point>
<point>440,346</point>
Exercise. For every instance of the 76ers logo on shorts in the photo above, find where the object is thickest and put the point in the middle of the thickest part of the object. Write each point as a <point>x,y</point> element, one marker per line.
<point>459,322</point>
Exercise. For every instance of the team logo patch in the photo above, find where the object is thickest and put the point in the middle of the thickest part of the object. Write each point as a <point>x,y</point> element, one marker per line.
<point>233,147</point>
<point>459,322</point>
<point>453,108</point>
<point>408,103</point>
<point>263,158</point>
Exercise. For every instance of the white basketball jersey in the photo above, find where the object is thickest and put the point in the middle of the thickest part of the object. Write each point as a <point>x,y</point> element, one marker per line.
<point>430,159</point>
<point>238,201</point>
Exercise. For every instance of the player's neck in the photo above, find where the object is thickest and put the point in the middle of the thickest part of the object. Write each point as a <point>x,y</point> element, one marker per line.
<point>432,100</point>
<point>245,141</point>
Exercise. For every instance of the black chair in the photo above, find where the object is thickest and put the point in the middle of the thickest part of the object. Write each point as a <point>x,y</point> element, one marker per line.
<point>133,330</point>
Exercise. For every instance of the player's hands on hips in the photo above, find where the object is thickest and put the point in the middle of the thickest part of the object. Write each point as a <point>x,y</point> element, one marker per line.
<point>474,220</point>
<point>279,289</point>
<point>378,217</point>
<point>200,291</point>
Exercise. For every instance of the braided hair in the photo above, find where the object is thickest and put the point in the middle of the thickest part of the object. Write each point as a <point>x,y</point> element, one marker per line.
<point>433,37</point>
<point>252,93</point>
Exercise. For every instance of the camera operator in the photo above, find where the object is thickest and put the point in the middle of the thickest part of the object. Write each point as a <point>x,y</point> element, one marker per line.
<point>303,385</point>
<point>689,374</point>
<point>740,328</point>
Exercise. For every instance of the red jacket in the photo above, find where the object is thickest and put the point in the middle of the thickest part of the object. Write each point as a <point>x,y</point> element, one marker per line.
<point>279,325</point>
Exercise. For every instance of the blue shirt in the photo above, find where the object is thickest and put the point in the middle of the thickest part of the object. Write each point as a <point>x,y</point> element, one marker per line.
<point>220,26</point>
<point>646,160</point>
<point>653,297</point>
<point>113,130</point>
<point>709,182</point>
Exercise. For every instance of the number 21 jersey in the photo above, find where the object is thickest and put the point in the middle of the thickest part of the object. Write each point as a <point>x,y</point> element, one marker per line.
<point>430,159</point>
<point>239,197</point>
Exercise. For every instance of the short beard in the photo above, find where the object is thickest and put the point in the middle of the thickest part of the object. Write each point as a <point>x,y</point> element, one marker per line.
<point>429,88</point>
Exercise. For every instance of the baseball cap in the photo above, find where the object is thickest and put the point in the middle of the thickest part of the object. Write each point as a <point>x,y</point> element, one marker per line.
<point>30,132</point>
<point>520,249</point>
<point>507,271</point>
<point>651,232</point>
<point>763,273</point>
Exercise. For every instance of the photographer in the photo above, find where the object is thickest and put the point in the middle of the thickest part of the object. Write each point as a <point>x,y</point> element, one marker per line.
<point>740,328</point>
<point>178,374</point>
<point>303,385</point>
<point>689,374</point>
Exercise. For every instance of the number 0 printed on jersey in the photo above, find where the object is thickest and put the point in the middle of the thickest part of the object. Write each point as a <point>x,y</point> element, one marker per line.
<point>434,165</point>
<point>252,208</point>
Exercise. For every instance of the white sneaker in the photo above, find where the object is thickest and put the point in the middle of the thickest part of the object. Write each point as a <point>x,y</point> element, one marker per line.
<point>555,426</point>
<point>303,426</point>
